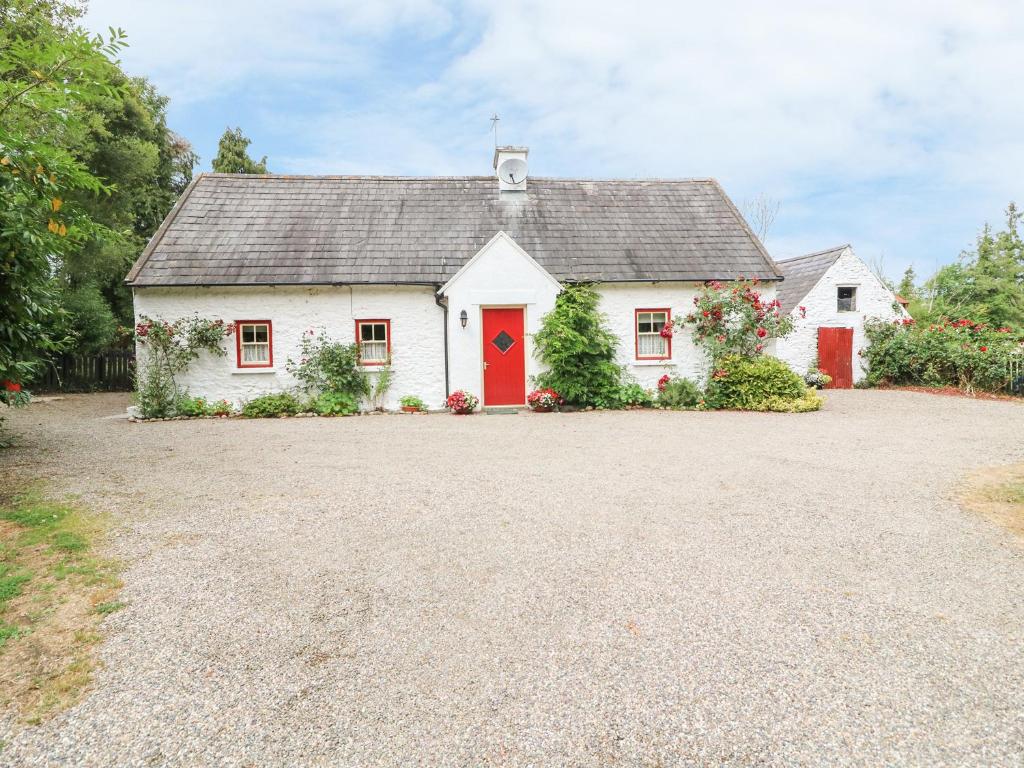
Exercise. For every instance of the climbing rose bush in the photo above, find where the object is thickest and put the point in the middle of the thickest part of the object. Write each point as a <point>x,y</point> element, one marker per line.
<point>960,353</point>
<point>735,319</point>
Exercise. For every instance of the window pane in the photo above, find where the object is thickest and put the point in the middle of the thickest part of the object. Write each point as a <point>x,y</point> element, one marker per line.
<point>643,317</point>
<point>659,320</point>
<point>365,332</point>
<point>373,351</point>
<point>255,353</point>
<point>262,333</point>
<point>379,332</point>
<point>644,328</point>
<point>652,345</point>
<point>248,333</point>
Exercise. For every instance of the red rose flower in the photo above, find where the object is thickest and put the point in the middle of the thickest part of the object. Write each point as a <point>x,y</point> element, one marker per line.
<point>984,349</point>
<point>662,382</point>
<point>761,333</point>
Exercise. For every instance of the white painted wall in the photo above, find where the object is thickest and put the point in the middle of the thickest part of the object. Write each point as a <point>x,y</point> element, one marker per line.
<point>619,301</point>
<point>501,274</point>
<point>417,333</point>
<point>874,300</point>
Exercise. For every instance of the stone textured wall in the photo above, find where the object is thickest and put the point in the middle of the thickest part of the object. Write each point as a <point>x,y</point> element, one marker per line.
<point>619,301</point>
<point>874,300</point>
<point>417,333</point>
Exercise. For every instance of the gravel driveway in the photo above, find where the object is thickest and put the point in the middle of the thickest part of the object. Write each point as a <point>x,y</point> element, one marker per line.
<point>641,588</point>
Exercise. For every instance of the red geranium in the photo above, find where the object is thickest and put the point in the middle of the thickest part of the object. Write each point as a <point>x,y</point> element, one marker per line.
<point>461,401</point>
<point>984,349</point>
<point>544,398</point>
<point>11,386</point>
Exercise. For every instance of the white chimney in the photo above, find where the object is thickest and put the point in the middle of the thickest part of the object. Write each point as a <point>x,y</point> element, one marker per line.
<point>510,167</point>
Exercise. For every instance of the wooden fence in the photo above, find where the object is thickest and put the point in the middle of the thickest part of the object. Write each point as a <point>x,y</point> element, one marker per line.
<point>110,371</point>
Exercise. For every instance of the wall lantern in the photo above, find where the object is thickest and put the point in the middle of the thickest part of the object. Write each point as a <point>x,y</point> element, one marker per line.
<point>463,318</point>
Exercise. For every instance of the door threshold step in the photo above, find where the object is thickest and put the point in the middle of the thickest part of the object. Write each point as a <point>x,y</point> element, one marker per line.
<point>501,410</point>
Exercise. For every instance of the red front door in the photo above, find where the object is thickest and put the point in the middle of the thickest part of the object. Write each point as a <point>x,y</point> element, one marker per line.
<point>835,356</point>
<point>504,357</point>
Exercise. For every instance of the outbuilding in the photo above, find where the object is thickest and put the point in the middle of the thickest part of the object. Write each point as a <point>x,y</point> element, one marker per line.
<point>830,294</point>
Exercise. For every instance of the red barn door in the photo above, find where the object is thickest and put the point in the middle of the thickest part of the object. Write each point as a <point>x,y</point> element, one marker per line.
<point>504,356</point>
<point>835,356</point>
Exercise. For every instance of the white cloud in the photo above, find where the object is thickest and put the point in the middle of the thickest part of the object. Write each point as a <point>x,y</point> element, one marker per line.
<point>200,49</point>
<point>893,124</point>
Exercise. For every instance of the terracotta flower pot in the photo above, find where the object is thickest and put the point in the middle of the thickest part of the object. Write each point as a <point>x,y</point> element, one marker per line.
<point>462,411</point>
<point>542,409</point>
<point>410,408</point>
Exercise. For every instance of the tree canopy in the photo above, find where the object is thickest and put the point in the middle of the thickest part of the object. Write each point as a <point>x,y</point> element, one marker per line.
<point>986,285</point>
<point>233,154</point>
<point>88,170</point>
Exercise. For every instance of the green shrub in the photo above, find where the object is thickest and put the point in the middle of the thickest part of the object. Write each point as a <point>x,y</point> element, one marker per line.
<point>268,406</point>
<point>579,351</point>
<point>330,366</point>
<point>680,393</point>
<point>809,401</point>
<point>412,401</point>
<point>961,354</point>
<point>191,406</point>
<point>624,395</point>
<point>753,384</point>
<point>336,404</point>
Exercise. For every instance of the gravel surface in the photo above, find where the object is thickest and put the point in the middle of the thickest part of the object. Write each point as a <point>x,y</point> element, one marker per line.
<point>640,588</point>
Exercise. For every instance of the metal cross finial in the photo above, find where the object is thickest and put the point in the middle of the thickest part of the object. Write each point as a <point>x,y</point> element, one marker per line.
<point>494,126</point>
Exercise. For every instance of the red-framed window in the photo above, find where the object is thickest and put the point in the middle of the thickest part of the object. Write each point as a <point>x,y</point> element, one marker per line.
<point>374,340</point>
<point>647,325</point>
<point>254,343</point>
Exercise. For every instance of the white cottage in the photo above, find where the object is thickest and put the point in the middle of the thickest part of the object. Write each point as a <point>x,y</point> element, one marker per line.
<point>445,279</point>
<point>830,295</point>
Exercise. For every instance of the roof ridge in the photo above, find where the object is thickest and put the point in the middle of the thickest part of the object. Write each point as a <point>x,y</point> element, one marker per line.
<point>816,253</point>
<point>354,177</point>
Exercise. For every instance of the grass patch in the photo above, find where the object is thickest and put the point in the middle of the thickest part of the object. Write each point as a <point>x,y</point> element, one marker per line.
<point>54,590</point>
<point>105,609</point>
<point>998,495</point>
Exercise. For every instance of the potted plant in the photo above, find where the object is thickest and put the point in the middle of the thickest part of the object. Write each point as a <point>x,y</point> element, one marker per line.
<point>543,400</point>
<point>461,402</point>
<point>411,404</point>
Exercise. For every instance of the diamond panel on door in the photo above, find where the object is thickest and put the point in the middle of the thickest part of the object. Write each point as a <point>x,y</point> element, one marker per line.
<point>503,342</point>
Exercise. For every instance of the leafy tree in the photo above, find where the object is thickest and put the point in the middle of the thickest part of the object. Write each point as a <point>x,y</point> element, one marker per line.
<point>111,126</point>
<point>907,287</point>
<point>127,143</point>
<point>233,155</point>
<point>47,73</point>
<point>987,284</point>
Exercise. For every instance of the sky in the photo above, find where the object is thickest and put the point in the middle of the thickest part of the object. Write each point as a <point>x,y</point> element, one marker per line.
<point>895,126</point>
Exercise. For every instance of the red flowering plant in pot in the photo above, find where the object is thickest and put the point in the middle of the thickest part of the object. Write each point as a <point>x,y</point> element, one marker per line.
<point>544,400</point>
<point>735,319</point>
<point>461,402</point>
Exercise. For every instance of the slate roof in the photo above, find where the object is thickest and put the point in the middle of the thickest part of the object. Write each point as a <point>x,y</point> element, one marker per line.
<point>802,273</point>
<point>277,230</point>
